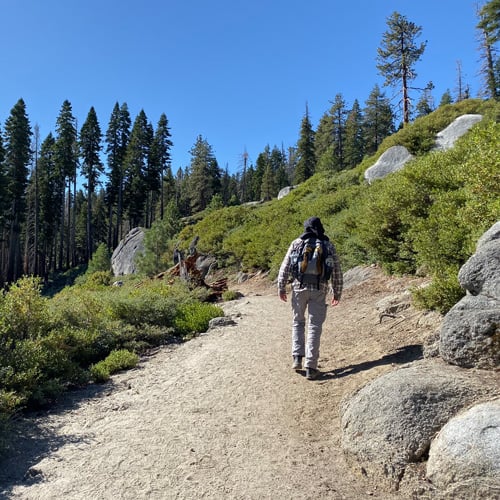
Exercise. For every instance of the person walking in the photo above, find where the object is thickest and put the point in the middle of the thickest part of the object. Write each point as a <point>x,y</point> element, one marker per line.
<point>309,291</point>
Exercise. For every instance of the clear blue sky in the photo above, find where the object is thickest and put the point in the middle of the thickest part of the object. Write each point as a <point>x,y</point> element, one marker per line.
<point>238,73</point>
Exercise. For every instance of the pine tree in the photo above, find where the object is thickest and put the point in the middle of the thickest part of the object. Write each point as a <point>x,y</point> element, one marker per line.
<point>17,159</point>
<point>324,143</point>
<point>489,28</point>
<point>258,175</point>
<point>354,140</point>
<point>117,139</point>
<point>31,227</point>
<point>136,162</point>
<point>425,105</point>
<point>306,162</point>
<point>446,98</point>
<point>204,178</point>
<point>398,55</point>
<point>339,114</point>
<point>378,120</point>
<point>92,167</point>
<point>279,166</point>
<point>49,205</point>
<point>3,183</point>
<point>161,157</point>
<point>66,159</point>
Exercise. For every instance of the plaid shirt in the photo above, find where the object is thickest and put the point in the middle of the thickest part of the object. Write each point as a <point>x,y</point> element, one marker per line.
<point>334,285</point>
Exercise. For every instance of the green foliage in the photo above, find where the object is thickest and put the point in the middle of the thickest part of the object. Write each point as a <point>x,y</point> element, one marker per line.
<point>158,245</point>
<point>428,216</point>
<point>229,295</point>
<point>48,345</point>
<point>100,261</point>
<point>24,313</point>
<point>115,362</point>
<point>194,317</point>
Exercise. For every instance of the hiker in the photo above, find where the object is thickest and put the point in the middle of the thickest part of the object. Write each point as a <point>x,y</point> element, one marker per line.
<point>314,268</point>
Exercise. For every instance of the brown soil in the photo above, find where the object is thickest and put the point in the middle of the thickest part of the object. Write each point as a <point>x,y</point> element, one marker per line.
<point>223,415</point>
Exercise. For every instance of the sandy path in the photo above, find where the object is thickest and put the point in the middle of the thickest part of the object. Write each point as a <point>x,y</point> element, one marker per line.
<point>221,416</point>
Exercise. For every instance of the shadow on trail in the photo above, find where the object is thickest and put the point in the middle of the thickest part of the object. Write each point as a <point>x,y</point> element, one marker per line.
<point>27,442</point>
<point>403,355</point>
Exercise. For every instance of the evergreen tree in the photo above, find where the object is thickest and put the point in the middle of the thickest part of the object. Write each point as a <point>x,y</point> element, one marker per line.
<point>306,159</point>
<point>3,196</point>
<point>489,28</point>
<point>258,175</point>
<point>446,98</point>
<point>398,55</point>
<point>31,227</point>
<point>66,160</point>
<point>17,159</point>
<point>204,178</point>
<point>157,241</point>
<point>354,140</point>
<point>161,158</point>
<point>117,139</point>
<point>324,143</point>
<point>339,114</point>
<point>92,167</point>
<point>425,105</point>
<point>136,163</point>
<point>182,191</point>
<point>279,168</point>
<point>378,120</point>
<point>267,187</point>
<point>49,205</point>
<point>227,187</point>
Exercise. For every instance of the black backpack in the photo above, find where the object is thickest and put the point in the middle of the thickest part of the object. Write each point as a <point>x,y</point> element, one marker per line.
<point>312,262</point>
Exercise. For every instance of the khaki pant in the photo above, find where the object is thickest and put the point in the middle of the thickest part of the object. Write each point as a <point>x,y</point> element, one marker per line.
<point>315,303</point>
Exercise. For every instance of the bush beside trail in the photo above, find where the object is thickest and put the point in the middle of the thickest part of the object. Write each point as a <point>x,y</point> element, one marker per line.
<point>86,332</point>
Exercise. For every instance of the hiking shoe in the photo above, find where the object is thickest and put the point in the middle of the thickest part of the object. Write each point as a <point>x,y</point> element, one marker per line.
<point>312,373</point>
<point>297,363</point>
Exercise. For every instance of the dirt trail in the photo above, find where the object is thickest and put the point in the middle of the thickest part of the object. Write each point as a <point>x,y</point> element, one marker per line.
<point>223,415</point>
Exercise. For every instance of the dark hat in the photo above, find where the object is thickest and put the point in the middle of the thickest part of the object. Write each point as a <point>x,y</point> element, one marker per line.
<point>313,225</point>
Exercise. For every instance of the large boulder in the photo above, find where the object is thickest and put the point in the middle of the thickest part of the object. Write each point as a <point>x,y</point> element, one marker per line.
<point>390,161</point>
<point>464,458</point>
<point>481,273</point>
<point>470,333</point>
<point>123,258</point>
<point>447,137</point>
<point>390,422</point>
<point>284,191</point>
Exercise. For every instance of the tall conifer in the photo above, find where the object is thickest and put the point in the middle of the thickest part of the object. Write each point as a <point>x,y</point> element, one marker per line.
<point>398,55</point>
<point>92,167</point>
<point>306,163</point>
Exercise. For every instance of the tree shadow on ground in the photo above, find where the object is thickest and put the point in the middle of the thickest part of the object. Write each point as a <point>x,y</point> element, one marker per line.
<point>29,441</point>
<point>403,355</point>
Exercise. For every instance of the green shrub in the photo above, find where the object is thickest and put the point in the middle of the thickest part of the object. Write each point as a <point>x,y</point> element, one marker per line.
<point>24,313</point>
<point>228,295</point>
<point>115,362</point>
<point>100,261</point>
<point>194,318</point>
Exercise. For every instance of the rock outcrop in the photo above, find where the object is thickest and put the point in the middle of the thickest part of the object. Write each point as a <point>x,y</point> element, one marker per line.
<point>123,258</point>
<point>390,161</point>
<point>470,334</point>
<point>447,137</point>
<point>396,157</point>
<point>390,424</point>
<point>465,455</point>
